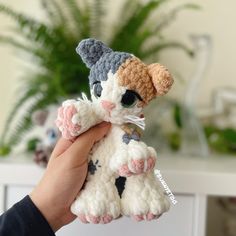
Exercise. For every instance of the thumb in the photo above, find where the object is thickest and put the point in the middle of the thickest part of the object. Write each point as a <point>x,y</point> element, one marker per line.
<point>78,152</point>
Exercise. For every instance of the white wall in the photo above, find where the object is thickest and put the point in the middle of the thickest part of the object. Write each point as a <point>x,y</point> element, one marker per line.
<point>216,18</point>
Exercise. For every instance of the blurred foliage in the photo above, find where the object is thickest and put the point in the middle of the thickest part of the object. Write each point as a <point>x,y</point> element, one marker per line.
<point>177,115</point>
<point>32,144</point>
<point>220,140</point>
<point>50,47</point>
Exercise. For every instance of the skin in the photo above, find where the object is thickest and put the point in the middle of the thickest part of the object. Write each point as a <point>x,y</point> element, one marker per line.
<point>64,177</point>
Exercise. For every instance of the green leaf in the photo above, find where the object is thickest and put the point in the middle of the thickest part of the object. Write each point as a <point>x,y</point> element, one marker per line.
<point>130,28</point>
<point>221,140</point>
<point>97,14</point>
<point>4,150</point>
<point>166,45</point>
<point>191,6</point>
<point>81,19</point>
<point>32,144</point>
<point>128,10</point>
<point>177,115</point>
<point>174,140</point>
<point>20,19</point>
<point>28,94</point>
<point>171,16</point>
<point>229,135</point>
<point>15,43</point>
<point>24,124</point>
<point>54,12</point>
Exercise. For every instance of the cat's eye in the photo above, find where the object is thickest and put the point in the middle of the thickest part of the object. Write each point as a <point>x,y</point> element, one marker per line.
<point>130,98</point>
<point>97,89</point>
<point>51,133</point>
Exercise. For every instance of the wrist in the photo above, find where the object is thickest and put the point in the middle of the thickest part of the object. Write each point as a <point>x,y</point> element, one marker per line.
<point>48,210</point>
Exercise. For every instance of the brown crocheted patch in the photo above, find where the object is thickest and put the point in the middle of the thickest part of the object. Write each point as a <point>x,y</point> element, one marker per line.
<point>161,78</point>
<point>133,74</point>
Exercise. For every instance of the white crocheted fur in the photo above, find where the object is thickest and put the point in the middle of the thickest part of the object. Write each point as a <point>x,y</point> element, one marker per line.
<point>99,201</point>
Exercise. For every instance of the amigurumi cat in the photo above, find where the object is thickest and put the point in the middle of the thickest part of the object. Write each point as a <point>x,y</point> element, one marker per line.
<point>120,178</point>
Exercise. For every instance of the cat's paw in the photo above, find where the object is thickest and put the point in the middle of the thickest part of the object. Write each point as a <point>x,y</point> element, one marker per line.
<point>66,120</point>
<point>137,166</point>
<point>75,117</point>
<point>141,159</point>
<point>105,219</point>
<point>149,216</point>
<point>101,210</point>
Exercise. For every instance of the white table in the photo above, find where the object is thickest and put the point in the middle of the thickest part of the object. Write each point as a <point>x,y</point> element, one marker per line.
<point>192,180</point>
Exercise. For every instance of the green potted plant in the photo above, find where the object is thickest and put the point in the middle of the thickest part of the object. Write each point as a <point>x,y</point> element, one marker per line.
<point>51,46</point>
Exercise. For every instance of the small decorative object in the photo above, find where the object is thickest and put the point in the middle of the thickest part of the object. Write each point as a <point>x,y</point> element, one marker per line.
<point>193,140</point>
<point>220,122</point>
<point>120,179</point>
<point>223,108</point>
<point>49,134</point>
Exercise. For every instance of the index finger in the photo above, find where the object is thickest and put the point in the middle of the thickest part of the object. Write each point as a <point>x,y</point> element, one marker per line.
<point>61,146</point>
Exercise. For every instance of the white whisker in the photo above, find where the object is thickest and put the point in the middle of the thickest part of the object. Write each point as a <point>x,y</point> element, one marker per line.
<point>140,122</point>
<point>83,97</point>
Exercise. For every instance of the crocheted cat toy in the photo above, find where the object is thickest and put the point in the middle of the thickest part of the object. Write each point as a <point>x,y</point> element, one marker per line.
<point>120,178</point>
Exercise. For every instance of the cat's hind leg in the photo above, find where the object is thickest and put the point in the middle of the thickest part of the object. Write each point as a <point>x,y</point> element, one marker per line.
<point>98,203</point>
<point>143,198</point>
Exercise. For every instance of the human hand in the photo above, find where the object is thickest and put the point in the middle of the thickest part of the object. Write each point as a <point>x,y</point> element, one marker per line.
<point>64,177</point>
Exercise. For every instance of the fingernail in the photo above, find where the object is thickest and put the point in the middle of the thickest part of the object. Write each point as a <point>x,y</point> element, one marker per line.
<point>103,124</point>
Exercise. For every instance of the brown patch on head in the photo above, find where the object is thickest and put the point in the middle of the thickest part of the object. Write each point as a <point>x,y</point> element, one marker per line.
<point>148,81</point>
<point>133,74</point>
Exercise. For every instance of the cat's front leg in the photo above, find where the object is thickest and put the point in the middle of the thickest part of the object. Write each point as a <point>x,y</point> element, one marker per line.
<point>133,158</point>
<point>75,117</point>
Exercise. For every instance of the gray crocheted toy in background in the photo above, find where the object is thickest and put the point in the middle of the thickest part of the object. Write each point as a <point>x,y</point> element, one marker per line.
<point>120,178</point>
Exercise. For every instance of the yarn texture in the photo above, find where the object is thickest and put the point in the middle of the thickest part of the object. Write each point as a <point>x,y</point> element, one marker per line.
<point>120,179</point>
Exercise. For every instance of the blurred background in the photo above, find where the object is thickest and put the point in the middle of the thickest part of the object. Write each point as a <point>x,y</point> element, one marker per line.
<point>194,39</point>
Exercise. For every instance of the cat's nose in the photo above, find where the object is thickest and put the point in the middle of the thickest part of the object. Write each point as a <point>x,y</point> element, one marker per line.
<point>108,106</point>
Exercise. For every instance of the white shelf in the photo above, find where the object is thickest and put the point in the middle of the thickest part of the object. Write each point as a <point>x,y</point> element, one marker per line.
<point>210,176</point>
<point>191,179</point>
<point>192,175</point>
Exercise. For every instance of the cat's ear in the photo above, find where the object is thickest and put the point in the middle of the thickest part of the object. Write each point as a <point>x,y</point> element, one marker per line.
<point>39,117</point>
<point>91,50</point>
<point>161,78</point>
